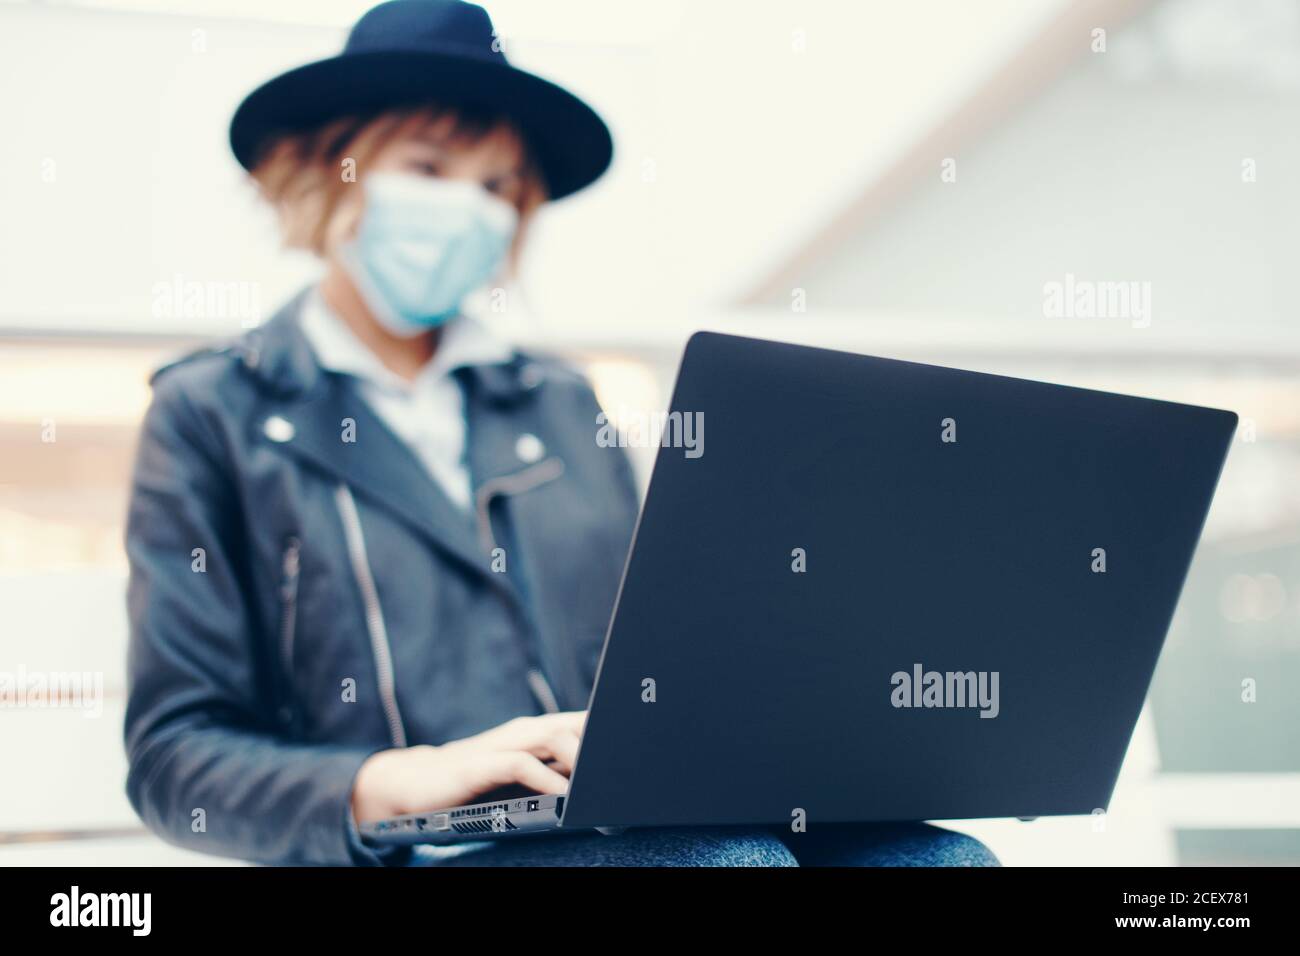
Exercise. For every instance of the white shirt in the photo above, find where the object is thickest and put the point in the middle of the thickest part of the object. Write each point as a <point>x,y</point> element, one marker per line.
<point>427,413</point>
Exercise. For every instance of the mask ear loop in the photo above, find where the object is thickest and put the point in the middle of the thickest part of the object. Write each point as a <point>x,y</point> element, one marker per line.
<point>512,273</point>
<point>341,231</point>
<point>506,280</point>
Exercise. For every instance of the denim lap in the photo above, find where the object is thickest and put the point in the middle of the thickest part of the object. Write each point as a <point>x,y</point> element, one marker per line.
<point>912,844</point>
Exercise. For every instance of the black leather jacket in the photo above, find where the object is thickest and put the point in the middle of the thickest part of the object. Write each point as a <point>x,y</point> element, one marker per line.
<point>298,602</point>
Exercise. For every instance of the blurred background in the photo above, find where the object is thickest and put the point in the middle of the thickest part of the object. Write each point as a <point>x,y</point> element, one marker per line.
<point>906,180</point>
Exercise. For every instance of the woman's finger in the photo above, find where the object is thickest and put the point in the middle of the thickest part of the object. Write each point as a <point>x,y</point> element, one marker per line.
<point>533,774</point>
<point>499,768</point>
<point>525,733</point>
<point>562,747</point>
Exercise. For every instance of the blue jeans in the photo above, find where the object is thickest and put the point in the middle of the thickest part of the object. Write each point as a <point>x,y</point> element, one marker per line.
<point>844,844</point>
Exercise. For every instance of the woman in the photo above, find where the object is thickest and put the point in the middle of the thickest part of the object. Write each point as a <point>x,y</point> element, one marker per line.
<point>373,548</point>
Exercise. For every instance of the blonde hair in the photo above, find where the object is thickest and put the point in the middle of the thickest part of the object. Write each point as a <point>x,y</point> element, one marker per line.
<point>301,174</point>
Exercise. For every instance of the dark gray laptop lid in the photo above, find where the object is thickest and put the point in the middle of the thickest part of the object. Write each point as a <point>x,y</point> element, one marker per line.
<point>947,520</point>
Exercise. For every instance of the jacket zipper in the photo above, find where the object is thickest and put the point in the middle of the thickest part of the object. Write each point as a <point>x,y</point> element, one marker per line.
<point>513,484</point>
<point>379,646</point>
<point>288,604</point>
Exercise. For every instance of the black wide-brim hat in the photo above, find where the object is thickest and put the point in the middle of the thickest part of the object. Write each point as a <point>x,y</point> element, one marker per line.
<point>406,52</point>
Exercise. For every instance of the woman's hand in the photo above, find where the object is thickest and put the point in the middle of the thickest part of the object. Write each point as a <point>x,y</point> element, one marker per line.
<point>537,752</point>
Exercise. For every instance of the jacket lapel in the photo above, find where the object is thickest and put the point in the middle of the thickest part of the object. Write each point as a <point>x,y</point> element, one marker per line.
<point>377,465</point>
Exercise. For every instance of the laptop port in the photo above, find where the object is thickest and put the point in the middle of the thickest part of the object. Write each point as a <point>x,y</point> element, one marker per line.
<point>532,805</point>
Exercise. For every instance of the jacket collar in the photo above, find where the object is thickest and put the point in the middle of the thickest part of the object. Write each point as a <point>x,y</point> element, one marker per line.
<point>464,342</point>
<point>305,412</point>
<point>278,355</point>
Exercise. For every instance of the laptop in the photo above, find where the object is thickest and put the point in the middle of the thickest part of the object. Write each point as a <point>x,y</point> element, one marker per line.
<point>876,590</point>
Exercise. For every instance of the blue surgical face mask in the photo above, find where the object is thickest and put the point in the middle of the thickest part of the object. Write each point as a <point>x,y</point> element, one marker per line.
<point>422,245</point>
